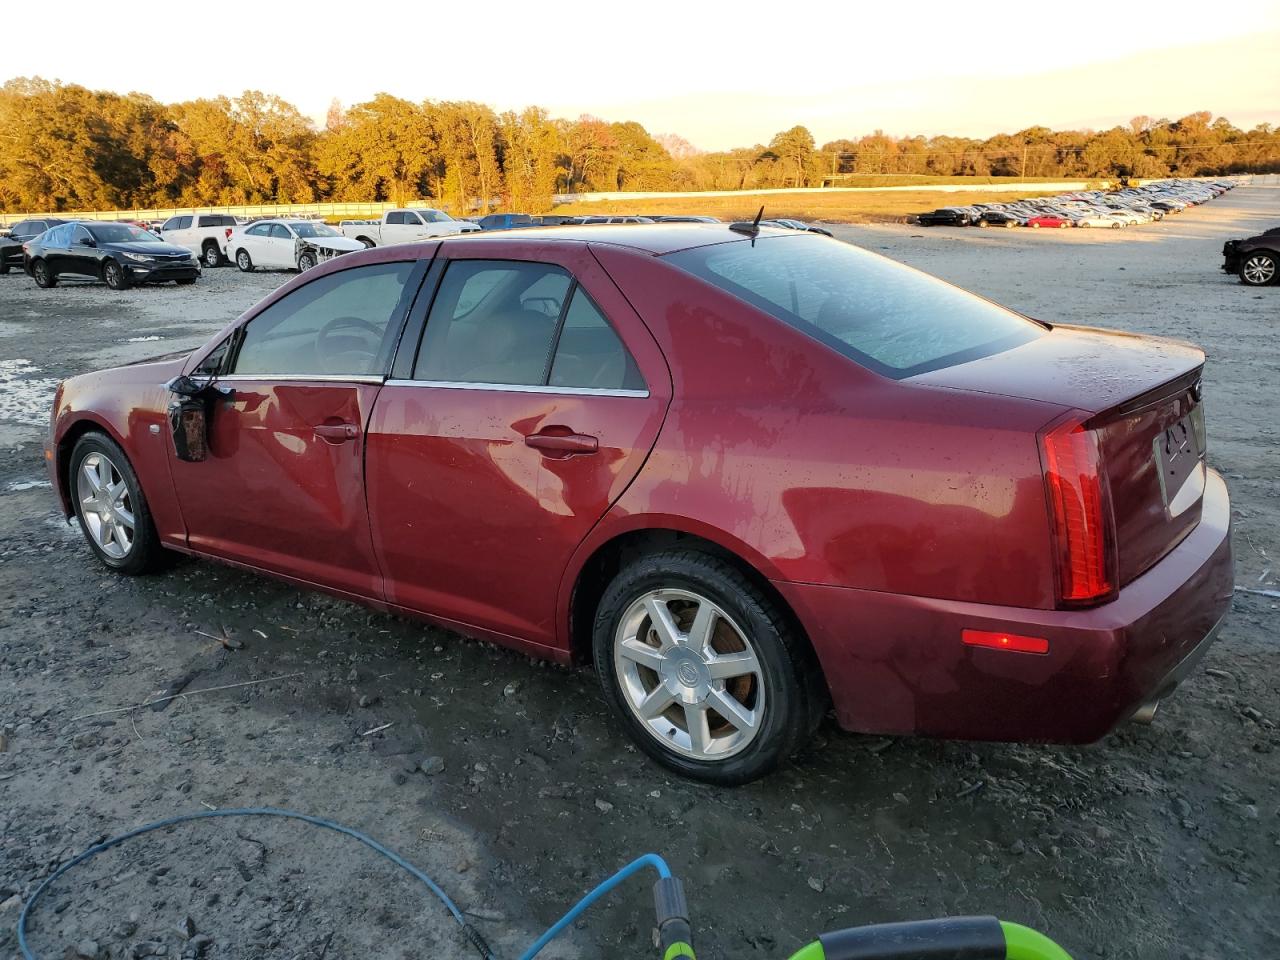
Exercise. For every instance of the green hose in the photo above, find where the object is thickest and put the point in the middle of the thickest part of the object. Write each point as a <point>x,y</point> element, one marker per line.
<point>1020,943</point>
<point>1023,943</point>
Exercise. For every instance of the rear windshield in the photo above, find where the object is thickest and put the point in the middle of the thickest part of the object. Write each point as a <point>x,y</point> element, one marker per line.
<point>888,317</point>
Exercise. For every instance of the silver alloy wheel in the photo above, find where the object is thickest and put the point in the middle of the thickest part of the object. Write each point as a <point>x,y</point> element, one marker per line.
<point>105,505</point>
<point>211,256</point>
<point>689,674</point>
<point>1259,269</point>
<point>243,261</point>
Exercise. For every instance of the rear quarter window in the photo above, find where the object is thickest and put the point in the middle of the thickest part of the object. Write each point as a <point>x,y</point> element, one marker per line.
<point>887,317</point>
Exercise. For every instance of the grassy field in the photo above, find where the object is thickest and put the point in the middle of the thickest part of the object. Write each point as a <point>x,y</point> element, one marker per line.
<point>831,207</point>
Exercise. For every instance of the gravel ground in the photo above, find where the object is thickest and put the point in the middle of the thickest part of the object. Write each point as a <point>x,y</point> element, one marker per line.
<point>505,779</point>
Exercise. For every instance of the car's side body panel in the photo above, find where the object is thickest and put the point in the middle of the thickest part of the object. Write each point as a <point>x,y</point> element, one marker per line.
<point>829,473</point>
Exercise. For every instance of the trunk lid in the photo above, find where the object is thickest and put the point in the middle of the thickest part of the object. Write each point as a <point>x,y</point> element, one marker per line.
<point>1142,396</point>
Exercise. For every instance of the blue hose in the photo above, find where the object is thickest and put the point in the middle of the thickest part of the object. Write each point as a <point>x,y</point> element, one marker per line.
<point>249,812</point>
<point>635,866</point>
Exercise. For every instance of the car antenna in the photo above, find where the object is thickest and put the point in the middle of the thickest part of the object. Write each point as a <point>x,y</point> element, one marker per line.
<point>751,229</point>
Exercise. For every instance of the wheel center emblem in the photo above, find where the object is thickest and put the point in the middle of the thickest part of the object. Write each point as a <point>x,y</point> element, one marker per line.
<point>687,674</point>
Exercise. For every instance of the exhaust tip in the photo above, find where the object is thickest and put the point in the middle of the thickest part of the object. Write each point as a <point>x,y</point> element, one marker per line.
<point>1146,713</point>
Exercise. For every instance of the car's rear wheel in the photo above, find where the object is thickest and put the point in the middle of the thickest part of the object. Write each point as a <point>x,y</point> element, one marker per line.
<point>114,276</point>
<point>44,277</point>
<point>367,242</point>
<point>110,506</point>
<point>211,255</point>
<point>1258,269</point>
<point>707,674</point>
<point>243,260</point>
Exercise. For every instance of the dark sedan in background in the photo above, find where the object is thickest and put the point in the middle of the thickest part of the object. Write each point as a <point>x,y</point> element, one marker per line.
<point>1256,260</point>
<point>118,254</point>
<point>20,233</point>
<point>944,217</point>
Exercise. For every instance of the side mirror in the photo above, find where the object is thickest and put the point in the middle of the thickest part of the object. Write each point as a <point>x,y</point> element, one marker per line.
<point>88,242</point>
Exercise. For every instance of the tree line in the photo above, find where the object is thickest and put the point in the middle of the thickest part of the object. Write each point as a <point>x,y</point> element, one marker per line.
<point>66,147</point>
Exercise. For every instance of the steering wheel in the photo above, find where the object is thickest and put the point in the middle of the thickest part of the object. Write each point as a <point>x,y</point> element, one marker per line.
<point>325,349</point>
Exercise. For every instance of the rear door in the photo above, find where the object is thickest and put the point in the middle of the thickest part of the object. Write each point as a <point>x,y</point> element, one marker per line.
<point>534,398</point>
<point>282,488</point>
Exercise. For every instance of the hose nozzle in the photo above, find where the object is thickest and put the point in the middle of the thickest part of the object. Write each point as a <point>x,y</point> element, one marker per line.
<point>675,936</point>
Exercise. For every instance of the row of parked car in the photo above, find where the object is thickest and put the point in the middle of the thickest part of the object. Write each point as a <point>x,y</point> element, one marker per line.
<point>1091,208</point>
<point>125,253</point>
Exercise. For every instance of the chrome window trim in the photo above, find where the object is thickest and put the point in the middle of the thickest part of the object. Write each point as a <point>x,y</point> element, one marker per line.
<point>520,388</point>
<point>297,378</point>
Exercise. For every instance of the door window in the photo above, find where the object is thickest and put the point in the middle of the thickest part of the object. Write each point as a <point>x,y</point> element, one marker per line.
<point>170,224</point>
<point>80,236</point>
<point>58,236</point>
<point>279,231</point>
<point>341,324</point>
<point>520,324</point>
<point>259,230</point>
<point>493,321</point>
<point>589,354</point>
<point>184,223</point>
<point>395,218</point>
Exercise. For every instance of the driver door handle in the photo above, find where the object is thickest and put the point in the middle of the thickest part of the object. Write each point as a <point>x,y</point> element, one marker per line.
<point>336,432</point>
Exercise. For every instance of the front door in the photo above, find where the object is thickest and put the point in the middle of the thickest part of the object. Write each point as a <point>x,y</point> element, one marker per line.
<point>282,487</point>
<point>535,397</point>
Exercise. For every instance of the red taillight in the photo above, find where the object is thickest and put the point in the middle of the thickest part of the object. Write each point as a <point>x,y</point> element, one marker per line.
<point>1005,641</point>
<point>1079,509</point>
<point>227,231</point>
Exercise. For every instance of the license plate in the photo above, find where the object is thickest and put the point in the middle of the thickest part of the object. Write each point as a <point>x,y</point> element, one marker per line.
<point>1179,461</point>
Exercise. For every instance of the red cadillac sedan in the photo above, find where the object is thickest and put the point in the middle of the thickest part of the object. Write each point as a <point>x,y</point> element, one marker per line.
<point>750,474</point>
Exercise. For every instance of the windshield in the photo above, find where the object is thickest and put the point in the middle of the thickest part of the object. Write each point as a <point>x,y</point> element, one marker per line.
<point>309,229</point>
<point>120,233</point>
<point>435,216</point>
<point>888,317</point>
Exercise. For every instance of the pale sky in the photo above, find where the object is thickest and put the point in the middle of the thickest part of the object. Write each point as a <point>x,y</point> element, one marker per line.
<point>719,74</point>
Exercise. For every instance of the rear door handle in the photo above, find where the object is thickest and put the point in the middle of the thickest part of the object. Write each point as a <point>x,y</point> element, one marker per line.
<point>336,432</point>
<point>563,443</point>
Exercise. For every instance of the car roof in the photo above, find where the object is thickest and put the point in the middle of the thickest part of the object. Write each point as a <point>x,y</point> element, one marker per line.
<point>654,238</point>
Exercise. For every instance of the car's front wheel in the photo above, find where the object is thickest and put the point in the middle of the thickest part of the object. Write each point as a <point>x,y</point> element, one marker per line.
<point>705,671</point>
<point>114,275</point>
<point>1258,269</point>
<point>110,506</point>
<point>306,262</point>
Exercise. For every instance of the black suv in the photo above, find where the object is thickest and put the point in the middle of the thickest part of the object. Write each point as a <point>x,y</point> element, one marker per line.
<point>1256,260</point>
<point>20,233</point>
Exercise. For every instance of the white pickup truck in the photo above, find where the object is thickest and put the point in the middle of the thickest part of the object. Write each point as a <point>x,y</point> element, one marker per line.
<point>406,226</point>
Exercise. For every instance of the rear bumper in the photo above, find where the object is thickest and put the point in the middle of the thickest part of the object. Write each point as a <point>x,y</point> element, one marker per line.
<point>896,664</point>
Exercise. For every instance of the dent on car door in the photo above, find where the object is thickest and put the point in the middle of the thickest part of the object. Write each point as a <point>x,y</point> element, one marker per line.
<point>282,485</point>
<point>535,395</point>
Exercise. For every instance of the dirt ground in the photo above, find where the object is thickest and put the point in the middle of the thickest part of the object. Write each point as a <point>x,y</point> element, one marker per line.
<point>1160,842</point>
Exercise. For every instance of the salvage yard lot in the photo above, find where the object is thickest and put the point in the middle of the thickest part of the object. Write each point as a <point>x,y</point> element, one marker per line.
<point>889,205</point>
<point>1161,842</point>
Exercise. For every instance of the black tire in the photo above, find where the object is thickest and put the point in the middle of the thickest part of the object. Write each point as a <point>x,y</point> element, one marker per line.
<point>244,261</point>
<point>211,256</point>
<point>185,283</point>
<point>795,695</point>
<point>306,262</point>
<point>367,242</point>
<point>115,276</point>
<point>145,553</point>
<point>44,277</point>
<point>1259,269</point>
<point>983,223</point>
